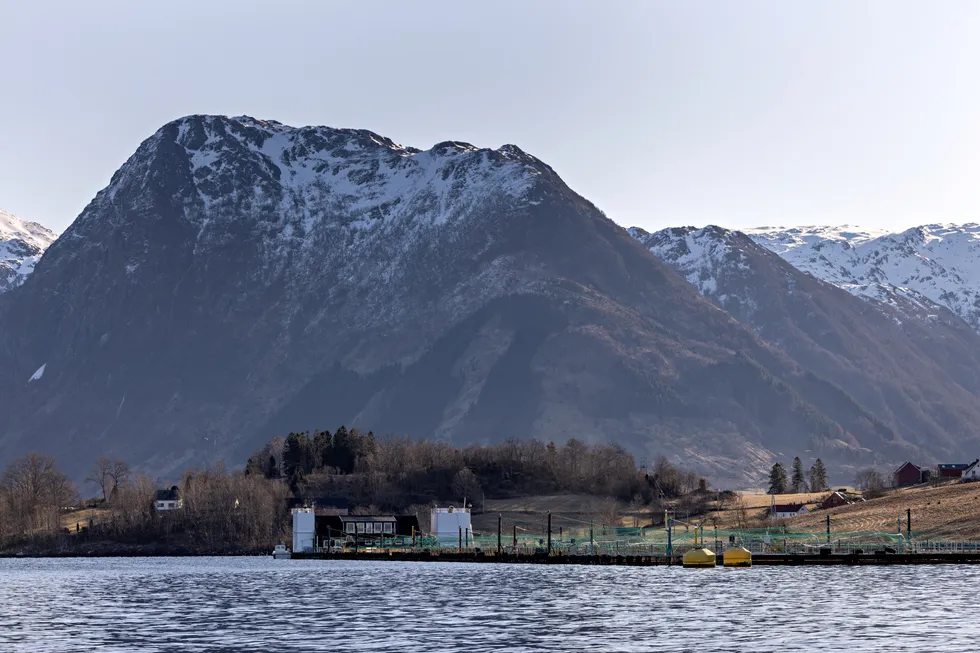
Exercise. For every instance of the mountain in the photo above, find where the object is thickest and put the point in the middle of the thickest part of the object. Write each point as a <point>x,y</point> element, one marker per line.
<point>913,364</point>
<point>938,262</point>
<point>239,278</point>
<point>21,246</point>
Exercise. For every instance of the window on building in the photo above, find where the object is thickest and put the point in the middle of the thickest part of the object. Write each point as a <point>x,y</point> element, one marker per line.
<point>368,527</point>
<point>351,527</point>
<point>388,527</point>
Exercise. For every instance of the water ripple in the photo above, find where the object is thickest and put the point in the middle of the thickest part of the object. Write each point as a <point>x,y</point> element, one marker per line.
<point>257,604</point>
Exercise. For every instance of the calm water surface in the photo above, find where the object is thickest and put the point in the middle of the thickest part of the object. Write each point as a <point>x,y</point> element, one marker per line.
<point>258,604</point>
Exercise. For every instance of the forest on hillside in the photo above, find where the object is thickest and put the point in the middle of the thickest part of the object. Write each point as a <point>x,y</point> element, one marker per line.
<point>247,509</point>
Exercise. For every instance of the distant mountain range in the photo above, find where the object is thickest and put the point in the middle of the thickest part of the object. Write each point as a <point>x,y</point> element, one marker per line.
<point>938,262</point>
<point>912,363</point>
<point>238,279</point>
<point>21,246</point>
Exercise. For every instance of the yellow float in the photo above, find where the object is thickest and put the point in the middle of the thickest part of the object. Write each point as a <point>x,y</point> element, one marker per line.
<point>700,556</point>
<point>737,556</point>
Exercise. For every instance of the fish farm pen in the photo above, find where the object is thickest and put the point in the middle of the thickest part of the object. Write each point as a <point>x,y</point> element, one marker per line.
<point>565,540</point>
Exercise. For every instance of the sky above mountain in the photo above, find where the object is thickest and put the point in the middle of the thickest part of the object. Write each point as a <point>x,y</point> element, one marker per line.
<point>738,114</point>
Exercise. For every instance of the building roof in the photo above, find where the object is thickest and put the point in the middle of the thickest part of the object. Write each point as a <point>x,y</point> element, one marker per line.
<point>317,502</point>
<point>167,495</point>
<point>366,518</point>
<point>904,465</point>
<point>787,507</point>
<point>954,466</point>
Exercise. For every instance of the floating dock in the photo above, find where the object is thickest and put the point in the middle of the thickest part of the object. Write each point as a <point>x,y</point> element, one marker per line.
<point>758,559</point>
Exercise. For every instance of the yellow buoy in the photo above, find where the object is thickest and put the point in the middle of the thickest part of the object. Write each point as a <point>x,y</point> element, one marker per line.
<point>699,558</point>
<point>737,556</point>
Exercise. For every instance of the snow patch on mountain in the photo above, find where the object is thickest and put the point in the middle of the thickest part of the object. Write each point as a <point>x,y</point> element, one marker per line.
<point>39,374</point>
<point>938,262</point>
<point>700,255</point>
<point>21,245</point>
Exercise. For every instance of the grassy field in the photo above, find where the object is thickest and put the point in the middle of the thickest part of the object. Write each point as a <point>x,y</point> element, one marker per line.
<point>950,511</point>
<point>81,518</point>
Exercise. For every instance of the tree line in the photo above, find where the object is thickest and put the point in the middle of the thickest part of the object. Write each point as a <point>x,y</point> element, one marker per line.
<point>243,510</point>
<point>395,472</point>
<point>813,481</point>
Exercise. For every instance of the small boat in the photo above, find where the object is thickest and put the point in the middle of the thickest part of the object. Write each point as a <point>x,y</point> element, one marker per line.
<point>281,552</point>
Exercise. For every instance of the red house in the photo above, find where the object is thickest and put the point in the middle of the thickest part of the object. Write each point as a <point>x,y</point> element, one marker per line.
<point>833,500</point>
<point>952,470</point>
<point>907,474</point>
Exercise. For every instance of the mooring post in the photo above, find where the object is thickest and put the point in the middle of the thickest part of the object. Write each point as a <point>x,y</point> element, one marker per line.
<point>500,520</point>
<point>549,532</point>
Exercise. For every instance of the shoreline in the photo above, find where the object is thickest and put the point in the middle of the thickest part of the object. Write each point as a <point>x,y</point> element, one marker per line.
<point>762,560</point>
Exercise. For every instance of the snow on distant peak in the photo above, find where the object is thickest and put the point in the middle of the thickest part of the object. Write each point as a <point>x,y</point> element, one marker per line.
<point>700,255</point>
<point>322,174</point>
<point>21,245</point>
<point>935,262</point>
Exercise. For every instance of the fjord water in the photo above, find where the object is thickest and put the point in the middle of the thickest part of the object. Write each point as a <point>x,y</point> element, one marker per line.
<point>258,604</point>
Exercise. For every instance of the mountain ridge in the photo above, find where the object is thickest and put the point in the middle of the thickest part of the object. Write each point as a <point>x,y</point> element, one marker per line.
<point>22,244</point>
<point>238,279</point>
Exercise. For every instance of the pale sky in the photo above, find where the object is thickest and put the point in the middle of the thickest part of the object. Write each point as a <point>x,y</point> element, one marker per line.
<point>662,113</point>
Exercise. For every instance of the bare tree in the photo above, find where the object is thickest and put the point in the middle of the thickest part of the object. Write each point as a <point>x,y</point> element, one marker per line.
<point>119,473</point>
<point>870,481</point>
<point>101,475</point>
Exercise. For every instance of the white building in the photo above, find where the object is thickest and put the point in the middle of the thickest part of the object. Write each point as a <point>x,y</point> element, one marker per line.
<point>304,529</point>
<point>787,510</point>
<point>447,524</point>
<point>972,473</point>
<point>168,500</point>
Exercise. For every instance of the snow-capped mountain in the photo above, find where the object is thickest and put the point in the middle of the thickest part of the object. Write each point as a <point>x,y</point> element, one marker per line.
<point>911,362</point>
<point>938,262</point>
<point>21,245</point>
<point>238,279</point>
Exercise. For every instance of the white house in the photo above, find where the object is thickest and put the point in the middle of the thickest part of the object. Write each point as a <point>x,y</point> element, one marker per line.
<point>787,510</point>
<point>972,473</point>
<point>168,500</point>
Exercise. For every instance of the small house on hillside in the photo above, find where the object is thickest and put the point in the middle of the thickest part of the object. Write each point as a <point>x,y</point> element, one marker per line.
<point>168,499</point>
<point>952,470</point>
<point>972,473</point>
<point>787,510</point>
<point>835,500</point>
<point>907,474</point>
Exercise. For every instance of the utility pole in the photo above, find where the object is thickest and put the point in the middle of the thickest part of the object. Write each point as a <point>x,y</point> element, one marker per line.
<point>908,523</point>
<point>828,529</point>
<point>549,532</point>
<point>499,523</point>
<point>670,545</point>
<point>591,535</point>
<point>460,538</point>
<point>515,538</point>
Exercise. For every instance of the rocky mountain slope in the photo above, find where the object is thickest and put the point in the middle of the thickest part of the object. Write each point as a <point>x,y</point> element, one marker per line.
<point>939,262</point>
<point>239,278</point>
<point>913,364</point>
<point>21,245</point>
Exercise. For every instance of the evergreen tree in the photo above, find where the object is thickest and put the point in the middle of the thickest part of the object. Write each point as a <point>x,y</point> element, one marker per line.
<point>798,484</point>
<point>297,458</point>
<point>818,477</point>
<point>777,479</point>
<point>322,449</point>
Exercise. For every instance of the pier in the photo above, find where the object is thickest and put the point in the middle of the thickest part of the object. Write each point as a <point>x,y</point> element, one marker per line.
<point>762,559</point>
